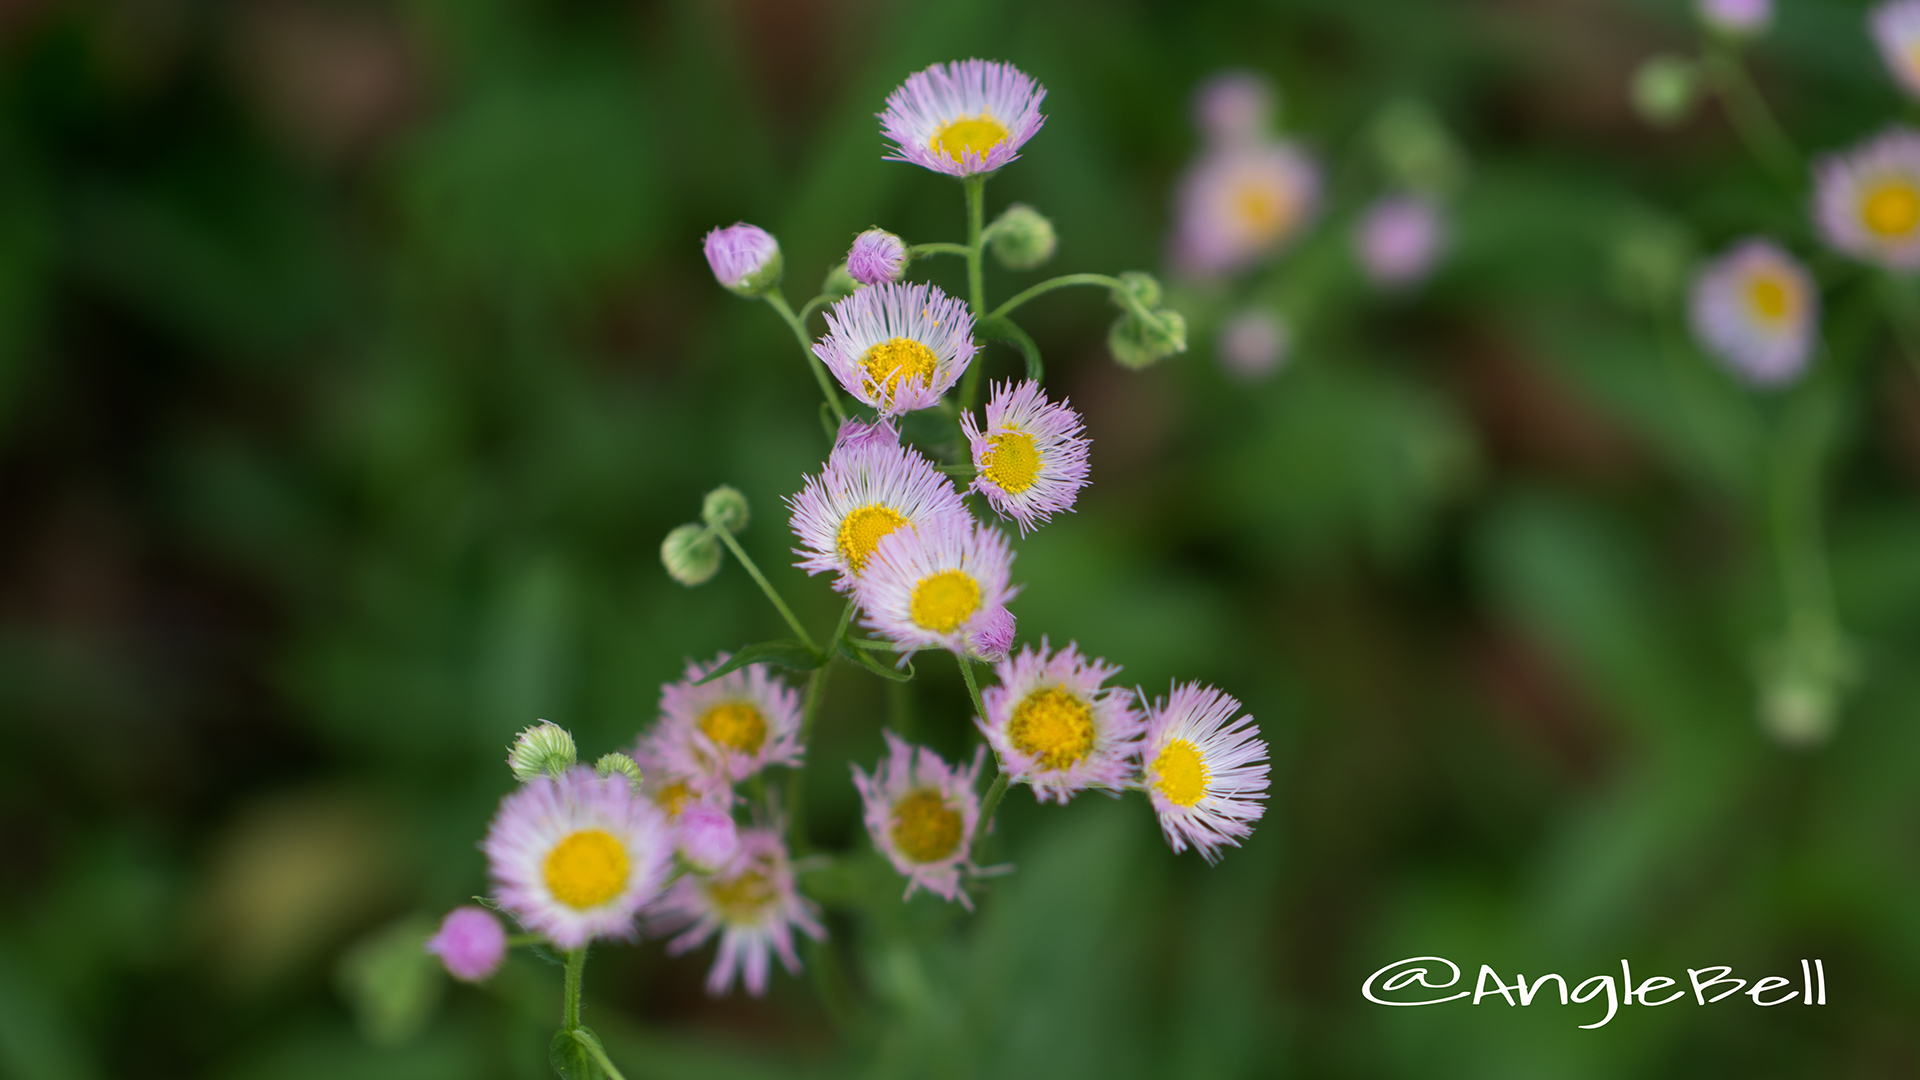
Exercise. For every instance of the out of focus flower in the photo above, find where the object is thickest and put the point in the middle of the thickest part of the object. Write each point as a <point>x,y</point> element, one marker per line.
<point>753,905</point>
<point>870,487</point>
<point>574,857</point>
<point>921,813</point>
<point>1030,458</point>
<point>1023,238</point>
<point>898,347</point>
<point>659,784</point>
<point>706,837</point>
<point>877,257</point>
<point>1204,771</point>
<point>471,943</point>
<point>1241,204</point>
<point>1867,200</point>
<point>1234,108</point>
<point>936,586</point>
<point>1665,89</point>
<point>745,258</point>
<point>1399,239</point>
<point>1754,309</point>
<point>1254,343</point>
<point>963,118</point>
<point>721,732</point>
<point>994,638</point>
<point>1896,30</point>
<point>1054,726</point>
<point>1741,18</point>
<point>545,749</point>
<point>725,508</point>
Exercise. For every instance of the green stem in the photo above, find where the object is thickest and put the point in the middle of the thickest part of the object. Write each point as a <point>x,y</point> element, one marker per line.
<point>598,1053</point>
<point>958,472</point>
<point>1102,280</point>
<point>765,587</point>
<point>809,711</point>
<point>987,806</point>
<point>976,188</point>
<point>921,251</point>
<point>811,306</point>
<point>1805,579</point>
<point>973,688</point>
<point>1899,314</point>
<point>1764,137</point>
<point>779,304</point>
<point>570,1011</point>
<point>515,941</point>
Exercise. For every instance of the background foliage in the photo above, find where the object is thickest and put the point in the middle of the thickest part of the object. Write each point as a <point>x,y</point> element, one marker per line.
<point>355,357</point>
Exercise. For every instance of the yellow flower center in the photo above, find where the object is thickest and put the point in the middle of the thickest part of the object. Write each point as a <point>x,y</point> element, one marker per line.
<point>1261,209</point>
<point>861,530</point>
<point>735,724</point>
<point>673,798</point>
<point>976,134</point>
<point>743,897</point>
<point>925,828</point>
<point>586,869</point>
<point>1768,295</point>
<point>1012,461</point>
<point>898,360</point>
<point>942,601</point>
<point>1180,773</point>
<point>1893,209</point>
<point>1052,726</point>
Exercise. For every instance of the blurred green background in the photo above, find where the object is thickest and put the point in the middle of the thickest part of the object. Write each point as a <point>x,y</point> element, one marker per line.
<point>354,358</point>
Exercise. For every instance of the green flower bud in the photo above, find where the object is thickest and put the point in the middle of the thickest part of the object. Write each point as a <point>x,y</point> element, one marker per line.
<point>1142,287</point>
<point>617,762</point>
<point>1137,342</point>
<point>691,554</point>
<point>839,284</point>
<point>542,750</point>
<point>725,508</point>
<point>1023,238</point>
<point>1415,150</point>
<point>1664,90</point>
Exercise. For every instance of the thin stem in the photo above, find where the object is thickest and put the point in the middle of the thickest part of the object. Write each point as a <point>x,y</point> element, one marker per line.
<point>1805,580</point>
<point>1899,314</point>
<point>570,1010</point>
<point>958,472</point>
<point>921,251</point>
<point>515,941</point>
<point>598,1053</point>
<point>779,304</point>
<point>811,306</point>
<point>973,688</point>
<point>987,806</point>
<point>976,187</point>
<point>1119,288</point>
<point>1764,137</point>
<point>765,586</point>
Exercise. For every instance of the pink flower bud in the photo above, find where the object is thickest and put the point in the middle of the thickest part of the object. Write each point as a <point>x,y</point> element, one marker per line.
<point>708,838</point>
<point>471,943</point>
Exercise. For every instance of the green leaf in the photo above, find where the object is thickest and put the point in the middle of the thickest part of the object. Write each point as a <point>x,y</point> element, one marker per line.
<point>828,422</point>
<point>861,657</point>
<point>570,1058</point>
<point>1004,329</point>
<point>786,652</point>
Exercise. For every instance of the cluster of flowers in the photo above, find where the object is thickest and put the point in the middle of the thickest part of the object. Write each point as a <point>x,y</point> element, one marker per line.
<point>1250,195</point>
<point>650,839</point>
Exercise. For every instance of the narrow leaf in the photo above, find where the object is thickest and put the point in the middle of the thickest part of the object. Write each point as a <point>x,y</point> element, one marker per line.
<point>786,652</point>
<point>865,659</point>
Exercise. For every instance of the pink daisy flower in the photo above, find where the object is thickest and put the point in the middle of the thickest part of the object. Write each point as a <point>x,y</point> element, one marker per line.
<point>718,734</point>
<point>1896,30</point>
<point>871,486</point>
<point>754,905</point>
<point>1755,309</point>
<point>921,813</point>
<point>937,586</point>
<point>1030,458</point>
<point>963,118</point>
<point>1867,200</point>
<point>898,347</point>
<point>1056,728</point>
<point>1204,771</point>
<point>1237,205</point>
<point>877,257</point>
<point>575,857</point>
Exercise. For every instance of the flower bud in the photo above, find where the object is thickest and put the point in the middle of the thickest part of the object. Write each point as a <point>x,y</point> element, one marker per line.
<point>542,750</point>
<point>1253,344</point>
<point>838,284</point>
<point>725,508</point>
<point>877,257</point>
<point>745,258</point>
<point>1664,89</point>
<point>1234,108</point>
<point>691,555</point>
<point>1023,238</point>
<point>706,837</point>
<point>1137,342</point>
<point>618,762</point>
<point>471,943</point>
<point>1142,287</point>
<point>1736,18</point>
<point>994,639</point>
<point>1415,149</point>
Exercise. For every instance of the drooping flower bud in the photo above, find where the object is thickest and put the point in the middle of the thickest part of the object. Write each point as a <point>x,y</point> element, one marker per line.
<point>1664,89</point>
<point>1142,286</point>
<point>1137,342</point>
<point>618,762</point>
<point>691,555</point>
<point>838,284</point>
<point>1023,238</point>
<point>745,258</point>
<point>471,943</point>
<point>877,256</point>
<point>725,508</point>
<point>545,749</point>
<point>707,837</point>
